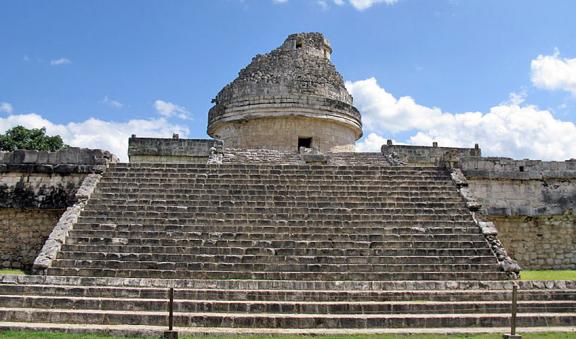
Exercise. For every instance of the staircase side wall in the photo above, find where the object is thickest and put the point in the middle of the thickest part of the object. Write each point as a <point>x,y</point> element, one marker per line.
<point>23,232</point>
<point>36,187</point>
<point>532,203</point>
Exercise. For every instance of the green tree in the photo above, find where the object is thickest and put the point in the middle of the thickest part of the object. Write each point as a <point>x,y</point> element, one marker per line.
<point>20,137</point>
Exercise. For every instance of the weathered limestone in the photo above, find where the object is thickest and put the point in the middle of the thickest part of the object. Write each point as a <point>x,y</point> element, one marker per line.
<point>533,205</point>
<point>488,229</point>
<point>175,150</point>
<point>290,97</point>
<point>35,189</point>
<point>540,242</point>
<point>65,224</point>
<point>23,232</point>
<point>532,202</point>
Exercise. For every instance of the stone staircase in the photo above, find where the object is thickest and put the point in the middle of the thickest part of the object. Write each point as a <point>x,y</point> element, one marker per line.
<point>265,248</point>
<point>277,223</point>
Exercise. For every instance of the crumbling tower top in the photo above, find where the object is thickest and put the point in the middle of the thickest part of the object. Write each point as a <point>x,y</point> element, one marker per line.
<point>290,97</point>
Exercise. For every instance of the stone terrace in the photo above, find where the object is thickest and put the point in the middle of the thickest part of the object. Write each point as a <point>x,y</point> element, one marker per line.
<point>269,248</point>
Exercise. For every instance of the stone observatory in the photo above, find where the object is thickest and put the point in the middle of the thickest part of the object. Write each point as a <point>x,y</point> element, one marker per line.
<point>289,98</point>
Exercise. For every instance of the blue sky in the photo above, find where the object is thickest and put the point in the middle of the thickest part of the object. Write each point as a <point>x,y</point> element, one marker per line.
<point>498,73</point>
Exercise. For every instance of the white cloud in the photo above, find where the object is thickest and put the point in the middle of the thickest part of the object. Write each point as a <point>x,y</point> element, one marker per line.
<point>358,4</point>
<point>382,111</point>
<point>552,72</point>
<point>168,109</point>
<point>365,4</point>
<point>508,129</point>
<point>95,133</point>
<point>112,103</point>
<point>371,143</point>
<point>322,3</point>
<point>6,107</point>
<point>59,62</point>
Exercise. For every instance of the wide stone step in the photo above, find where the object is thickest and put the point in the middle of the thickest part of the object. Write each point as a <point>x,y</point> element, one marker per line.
<point>296,177</point>
<point>157,219</point>
<point>312,212</point>
<point>286,295</point>
<point>276,244</point>
<point>465,228</point>
<point>313,199</point>
<point>400,266</point>
<point>278,320</point>
<point>279,185</point>
<point>320,276</point>
<point>356,205</point>
<point>276,259</point>
<point>247,191</point>
<point>302,307</point>
<point>312,251</point>
<point>187,202</point>
<point>82,235</point>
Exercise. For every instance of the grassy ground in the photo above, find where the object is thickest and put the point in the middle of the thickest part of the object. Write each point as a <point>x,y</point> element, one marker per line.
<point>11,271</point>
<point>548,275</point>
<point>47,335</point>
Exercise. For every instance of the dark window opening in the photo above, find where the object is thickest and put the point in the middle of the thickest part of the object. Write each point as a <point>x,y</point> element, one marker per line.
<point>521,168</point>
<point>304,142</point>
<point>298,44</point>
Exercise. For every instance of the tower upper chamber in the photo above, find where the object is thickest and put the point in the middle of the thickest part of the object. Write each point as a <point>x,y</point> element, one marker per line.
<point>289,98</point>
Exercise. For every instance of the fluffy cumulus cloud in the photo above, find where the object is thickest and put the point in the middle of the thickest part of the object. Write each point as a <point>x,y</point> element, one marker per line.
<point>60,62</point>
<point>168,109</point>
<point>6,107</point>
<point>508,129</point>
<point>552,72</point>
<point>95,133</point>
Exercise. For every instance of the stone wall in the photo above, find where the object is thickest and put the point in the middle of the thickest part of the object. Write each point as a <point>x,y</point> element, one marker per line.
<point>532,204</point>
<point>38,190</point>
<point>175,150</point>
<point>255,156</point>
<point>424,155</point>
<point>35,189</point>
<point>539,242</point>
<point>22,234</point>
<point>282,133</point>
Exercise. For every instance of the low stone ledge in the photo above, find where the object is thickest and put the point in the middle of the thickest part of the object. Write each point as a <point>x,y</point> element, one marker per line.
<point>66,161</point>
<point>66,223</point>
<point>294,285</point>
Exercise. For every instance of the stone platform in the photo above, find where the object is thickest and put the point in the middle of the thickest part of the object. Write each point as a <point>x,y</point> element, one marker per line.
<point>267,248</point>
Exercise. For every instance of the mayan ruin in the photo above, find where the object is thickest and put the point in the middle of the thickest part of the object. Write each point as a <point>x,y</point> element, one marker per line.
<point>276,225</point>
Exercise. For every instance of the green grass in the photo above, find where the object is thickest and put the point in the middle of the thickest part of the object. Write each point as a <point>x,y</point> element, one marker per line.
<point>11,271</point>
<point>548,275</point>
<point>56,335</point>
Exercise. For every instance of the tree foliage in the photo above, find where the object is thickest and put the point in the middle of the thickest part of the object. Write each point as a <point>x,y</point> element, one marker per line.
<point>20,137</point>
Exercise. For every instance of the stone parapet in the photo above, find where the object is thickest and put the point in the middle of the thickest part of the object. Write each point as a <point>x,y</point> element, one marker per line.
<point>66,161</point>
<point>423,155</point>
<point>175,150</point>
<point>506,168</point>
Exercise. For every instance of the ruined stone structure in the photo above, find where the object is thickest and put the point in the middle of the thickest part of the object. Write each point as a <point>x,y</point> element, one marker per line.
<point>279,225</point>
<point>288,98</point>
<point>531,202</point>
<point>36,187</point>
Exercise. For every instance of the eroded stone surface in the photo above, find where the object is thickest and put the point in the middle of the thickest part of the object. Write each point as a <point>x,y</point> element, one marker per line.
<point>290,93</point>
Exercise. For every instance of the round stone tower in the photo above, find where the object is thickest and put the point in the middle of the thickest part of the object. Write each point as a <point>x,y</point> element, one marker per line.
<point>289,98</point>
